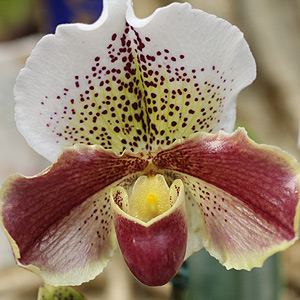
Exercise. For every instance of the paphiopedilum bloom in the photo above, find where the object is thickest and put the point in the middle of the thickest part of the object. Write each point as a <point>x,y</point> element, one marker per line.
<point>137,115</point>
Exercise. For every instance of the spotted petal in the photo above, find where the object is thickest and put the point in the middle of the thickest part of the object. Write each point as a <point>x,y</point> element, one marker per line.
<point>132,84</point>
<point>60,222</point>
<point>248,194</point>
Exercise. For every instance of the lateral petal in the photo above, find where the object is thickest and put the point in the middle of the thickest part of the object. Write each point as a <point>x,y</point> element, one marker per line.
<point>248,194</point>
<point>59,222</point>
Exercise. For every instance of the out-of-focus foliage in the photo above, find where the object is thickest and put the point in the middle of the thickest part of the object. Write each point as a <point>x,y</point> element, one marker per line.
<point>16,18</point>
<point>209,280</point>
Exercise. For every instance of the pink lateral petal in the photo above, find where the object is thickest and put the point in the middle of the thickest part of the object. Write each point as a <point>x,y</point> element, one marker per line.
<point>254,183</point>
<point>41,213</point>
<point>232,231</point>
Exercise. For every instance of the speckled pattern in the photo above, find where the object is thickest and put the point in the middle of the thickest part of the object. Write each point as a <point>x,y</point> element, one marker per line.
<point>62,219</point>
<point>140,103</point>
<point>135,84</point>
<point>248,194</point>
<point>144,97</point>
<point>231,183</point>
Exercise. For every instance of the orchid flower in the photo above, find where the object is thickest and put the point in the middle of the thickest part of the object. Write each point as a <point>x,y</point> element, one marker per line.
<point>137,116</point>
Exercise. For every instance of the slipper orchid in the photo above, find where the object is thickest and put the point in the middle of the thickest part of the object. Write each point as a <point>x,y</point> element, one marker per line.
<point>139,113</point>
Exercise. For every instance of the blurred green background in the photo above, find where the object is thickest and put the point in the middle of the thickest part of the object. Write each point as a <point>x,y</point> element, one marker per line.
<point>17,18</point>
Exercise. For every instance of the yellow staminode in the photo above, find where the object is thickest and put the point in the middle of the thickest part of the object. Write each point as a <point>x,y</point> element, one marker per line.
<point>152,203</point>
<point>150,197</point>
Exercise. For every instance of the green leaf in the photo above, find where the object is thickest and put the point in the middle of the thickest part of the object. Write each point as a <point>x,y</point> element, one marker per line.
<point>48,292</point>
